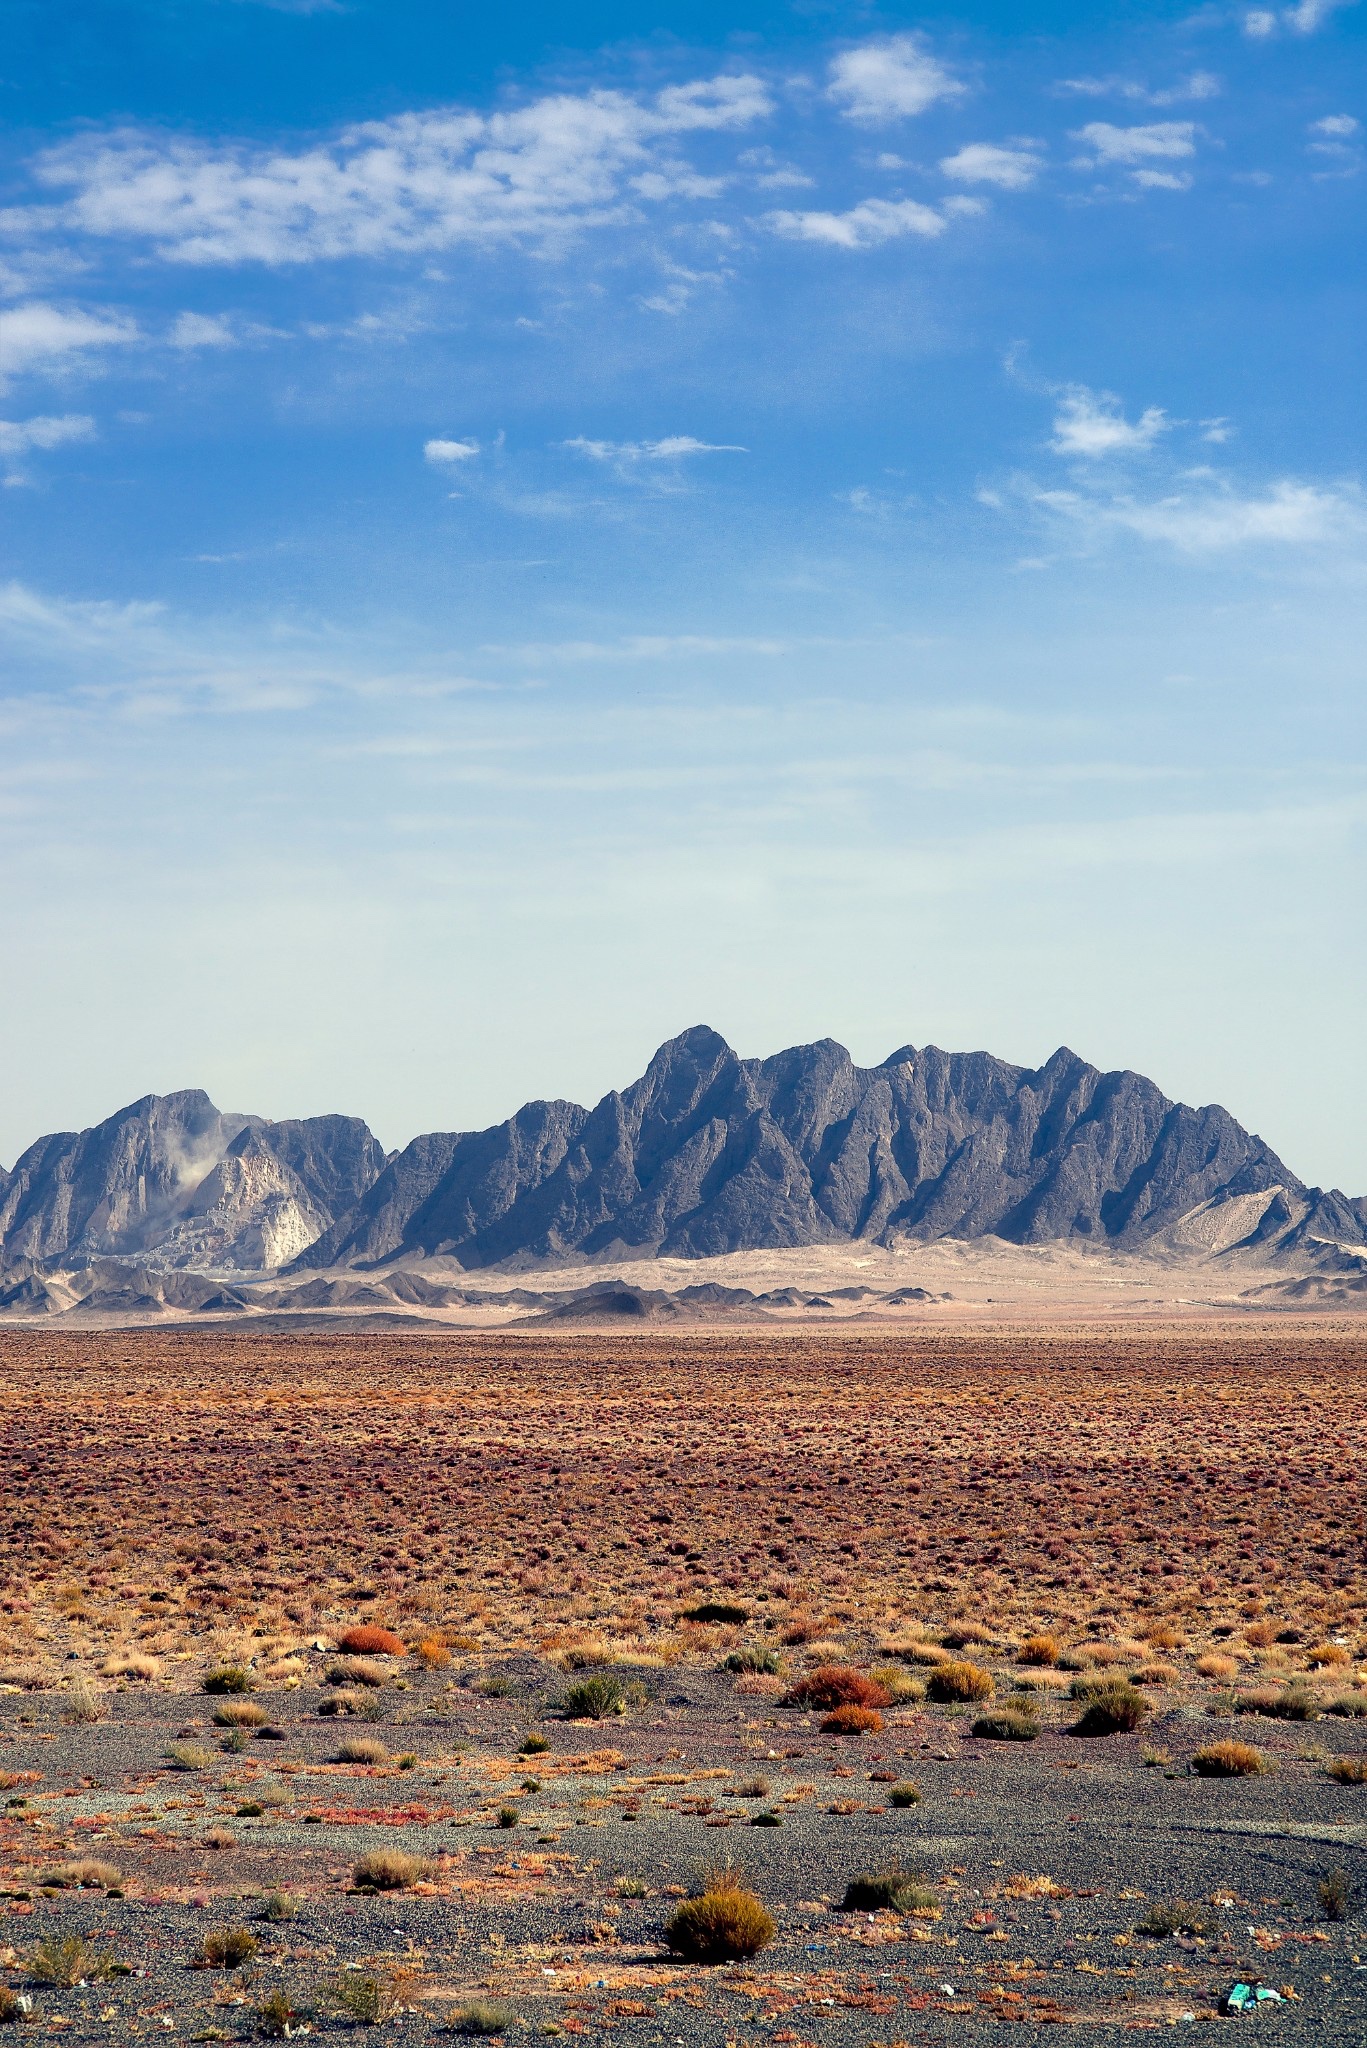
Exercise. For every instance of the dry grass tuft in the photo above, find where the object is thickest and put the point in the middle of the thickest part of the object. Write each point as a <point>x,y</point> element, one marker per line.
<point>1039,1650</point>
<point>1229,1760</point>
<point>387,1870</point>
<point>362,1749</point>
<point>727,1924</point>
<point>960,1682</point>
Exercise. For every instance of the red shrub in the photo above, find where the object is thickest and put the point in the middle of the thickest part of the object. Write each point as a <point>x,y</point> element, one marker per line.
<point>368,1639</point>
<point>836,1685</point>
<point>850,1720</point>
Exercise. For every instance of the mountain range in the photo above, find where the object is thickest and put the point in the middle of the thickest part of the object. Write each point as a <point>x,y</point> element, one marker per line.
<point>706,1153</point>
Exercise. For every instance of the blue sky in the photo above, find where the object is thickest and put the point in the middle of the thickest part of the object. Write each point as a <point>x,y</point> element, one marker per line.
<point>823,519</point>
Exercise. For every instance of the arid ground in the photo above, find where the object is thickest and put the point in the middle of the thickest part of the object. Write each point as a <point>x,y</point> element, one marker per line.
<point>602,1574</point>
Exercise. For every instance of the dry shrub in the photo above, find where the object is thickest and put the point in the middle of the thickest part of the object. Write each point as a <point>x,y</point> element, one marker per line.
<point>1024,1887</point>
<point>218,1838</point>
<point>1328,1656</point>
<point>1215,1664</point>
<point>226,1948</point>
<point>66,1960</point>
<point>368,1639</point>
<point>1279,1703</point>
<point>727,1924</point>
<point>1161,1635</point>
<point>1157,1674</point>
<point>130,1664</point>
<point>387,1870</point>
<point>347,1701</point>
<point>240,1714</point>
<point>285,1671</point>
<point>960,1682</point>
<point>1335,1895</point>
<point>1039,1650</point>
<point>1175,1916</point>
<point>899,1685</point>
<point>356,1671</point>
<point>964,1634</point>
<point>189,1756</point>
<point>1011,1723</point>
<point>1261,1635</point>
<point>1229,1760</point>
<point>369,1997</point>
<point>1347,1770</point>
<point>83,1705</point>
<point>362,1749</point>
<point>761,1685</point>
<point>87,1872</point>
<point>852,1720</point>
<point>432,1654</point>
<point>1109,1707</point>
<point>836,1685</point>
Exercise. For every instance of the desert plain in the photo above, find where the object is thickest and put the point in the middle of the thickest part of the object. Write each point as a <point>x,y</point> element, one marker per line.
<point>411,1682</point>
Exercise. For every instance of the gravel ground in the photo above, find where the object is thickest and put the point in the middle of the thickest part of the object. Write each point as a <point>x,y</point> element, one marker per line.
<point>530,1916</point>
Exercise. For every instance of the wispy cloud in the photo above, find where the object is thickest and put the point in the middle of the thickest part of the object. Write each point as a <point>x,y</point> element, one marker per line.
<point>38,336</point>
<point>420,181</point>
<point>1109,144</point>
<point>988,163</point>
<point>1209,516</point>
<point>1197,85</point>
<point>1304,19</point>
<point>890,79</point>
<point>870,223</point>
<point>669,449</point>
<point>202,330</point>
<point>19,438</point>
<point>442,452</point>
<point>1093,423</point>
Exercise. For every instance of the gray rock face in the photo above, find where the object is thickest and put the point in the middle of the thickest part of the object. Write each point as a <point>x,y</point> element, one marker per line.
<point>176,1181</point>
<point>706,1153</point>
<point>709,1153</point>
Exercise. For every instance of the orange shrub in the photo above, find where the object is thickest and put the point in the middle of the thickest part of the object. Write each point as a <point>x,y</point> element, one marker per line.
<point>368,1639</point>
<point>955,1682</point>
<point>1038,1650</point>
<point>852,1720</point>
<point>836,1685</point>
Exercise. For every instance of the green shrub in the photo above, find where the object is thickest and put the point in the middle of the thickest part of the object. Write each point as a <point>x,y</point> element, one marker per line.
<point>593,1699</point>
<point>189,1756</point>
<point>228,1678</point>
<point>368,1998</point>
<point>1352,1705</point>
<point>752,1658</point>
<point>533,1745</point>
<point>276,2016</point>
<point>888,1891</point>
<point>1335,1895</point>
<point>908,1794</point>
<point>279,1907</point>
<point>1287,1703</point>
<point>1008,1724</point>
<point>66,1960</point>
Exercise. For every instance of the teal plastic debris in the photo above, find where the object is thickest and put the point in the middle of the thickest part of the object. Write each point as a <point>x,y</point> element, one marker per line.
<point>1246,1997</point>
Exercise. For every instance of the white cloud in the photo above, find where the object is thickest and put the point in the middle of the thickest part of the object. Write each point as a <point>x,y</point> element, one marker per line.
<point>1208,516</point>
<point>865,226</point>
<point>38,336</point>
<point>1162,139</point>
<point>986,163</point>
<point>450,451</point>
<point>17,437</point>
<point>202,330</point>
<point>1091,424</point>
<point>1197,85</point>
<point>1303,19</point>
<point>890,79</point>
<point>419,181</point>
<point>1163,181</point>
<point>669,449</point>
<point>1340,125</point>
<point>1288,515</point>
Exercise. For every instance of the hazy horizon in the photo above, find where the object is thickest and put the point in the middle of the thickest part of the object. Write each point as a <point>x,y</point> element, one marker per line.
<point>836,523</point>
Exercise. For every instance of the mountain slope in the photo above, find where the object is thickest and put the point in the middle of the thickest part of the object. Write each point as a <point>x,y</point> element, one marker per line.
<point>173,1179</point>
<point>708,1153</point>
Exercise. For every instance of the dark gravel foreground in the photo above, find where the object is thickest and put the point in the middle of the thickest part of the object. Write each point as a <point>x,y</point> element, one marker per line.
<point>530,1916</point>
